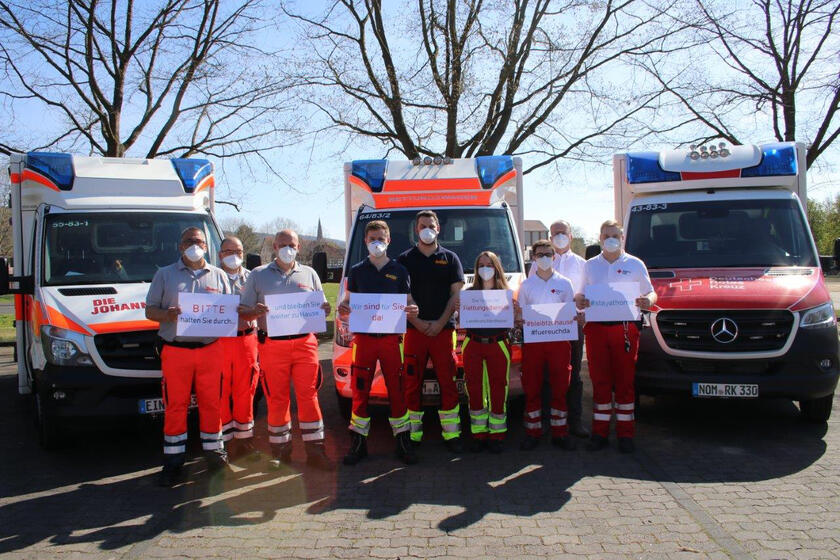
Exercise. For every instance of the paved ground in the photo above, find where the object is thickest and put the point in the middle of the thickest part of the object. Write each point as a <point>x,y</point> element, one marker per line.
<point>710,480</point>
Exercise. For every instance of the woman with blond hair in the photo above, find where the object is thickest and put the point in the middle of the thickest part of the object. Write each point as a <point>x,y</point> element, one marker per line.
<point>486,356</point>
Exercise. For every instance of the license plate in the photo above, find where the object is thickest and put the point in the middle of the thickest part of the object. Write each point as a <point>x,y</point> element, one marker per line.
<point>725,390</point>
<point>156,406</point>
<point>431,387</point>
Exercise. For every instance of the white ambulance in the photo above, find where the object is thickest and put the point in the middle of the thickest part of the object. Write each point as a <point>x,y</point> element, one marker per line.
<point>89,234</point>
<point>743,310</point>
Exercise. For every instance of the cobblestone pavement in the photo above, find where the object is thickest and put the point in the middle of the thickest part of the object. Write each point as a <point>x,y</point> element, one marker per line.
<point>732,479</point>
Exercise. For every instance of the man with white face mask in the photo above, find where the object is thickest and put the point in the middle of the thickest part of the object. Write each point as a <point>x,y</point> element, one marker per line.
<point>286,360</point>
<point>241,373</point>
<point>570,265</point>
<point>436,281</point>
<point>612,347</point>
<point>188,361</point>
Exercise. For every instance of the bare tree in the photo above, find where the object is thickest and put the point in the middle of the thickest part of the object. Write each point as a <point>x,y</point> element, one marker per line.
<point>768,68</point>
<point>169,78</point>
<point>465,78</point>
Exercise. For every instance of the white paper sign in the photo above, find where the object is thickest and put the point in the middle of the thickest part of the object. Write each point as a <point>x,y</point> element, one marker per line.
<point>377,313</point>
<point>486,309</point>
<point>549,322</point>
<point>615,301</point>
<point>207,314</point>
<point>298,313</point>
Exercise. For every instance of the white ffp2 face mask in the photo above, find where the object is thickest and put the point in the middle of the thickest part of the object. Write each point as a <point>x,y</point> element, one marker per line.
<point>194,253</point>
<point>561,241</point>
<point>611,245</point>
<point>377,248</point>
<point>287,255</point>
<point>486,272</point>
<point>233,262</point>
<point>428,235</point>
<point>544,263</point>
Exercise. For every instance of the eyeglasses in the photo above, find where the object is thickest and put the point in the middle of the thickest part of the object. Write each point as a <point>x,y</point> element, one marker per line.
<point>193,241</point>
<point>538,255</point>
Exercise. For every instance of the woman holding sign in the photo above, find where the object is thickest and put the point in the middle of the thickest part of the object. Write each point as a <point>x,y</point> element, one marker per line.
<point>486,356</point>
<point>612,338</point>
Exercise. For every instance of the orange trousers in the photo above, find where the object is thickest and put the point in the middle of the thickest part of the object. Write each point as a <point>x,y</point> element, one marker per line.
<point>612,351</point>
<point>240,376</point>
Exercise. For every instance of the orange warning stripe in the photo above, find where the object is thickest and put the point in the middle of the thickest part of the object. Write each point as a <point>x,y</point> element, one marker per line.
<point>15,177</point>
<point>38,178</point>
<point>58,319</point>
<point>121,326</point>
<point>208,182</point>
<point>419,185</point>
<point>505,178</point>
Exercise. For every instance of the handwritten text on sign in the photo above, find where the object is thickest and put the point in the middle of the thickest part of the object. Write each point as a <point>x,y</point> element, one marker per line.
<point>549,322</point>
<point>298,313</point>
<point>615,301</point>
<point>486,309</point>
<point>377,313</point>
<point>207,315</point>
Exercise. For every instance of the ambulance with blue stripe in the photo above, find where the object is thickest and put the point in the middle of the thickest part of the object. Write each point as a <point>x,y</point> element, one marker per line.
<point>743,310</point>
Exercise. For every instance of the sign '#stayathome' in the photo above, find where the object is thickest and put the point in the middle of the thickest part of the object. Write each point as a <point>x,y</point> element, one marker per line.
<point>615,301</point>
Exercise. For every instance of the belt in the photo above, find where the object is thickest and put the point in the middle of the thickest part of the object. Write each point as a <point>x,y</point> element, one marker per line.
<point>488,339</point>
<point>613,323</point>
<point>188,345</point>
<point>246,331</point>
<point>379,335</point>
<point>288,337</point>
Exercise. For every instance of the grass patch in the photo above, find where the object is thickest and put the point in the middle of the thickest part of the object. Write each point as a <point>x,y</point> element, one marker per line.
<point>8,298</point>
<point>7,327</point>
<point>331,293</point>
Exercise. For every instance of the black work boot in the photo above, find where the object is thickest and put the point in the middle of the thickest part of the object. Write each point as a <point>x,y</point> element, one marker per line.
<point>217,460</point>
<point>282,455</point>
<point>358,449</point>
<point>170,475</point>
<point>405,451</point>
<point>454,445</point>
<point>316,456</point>
<point>597,443</point>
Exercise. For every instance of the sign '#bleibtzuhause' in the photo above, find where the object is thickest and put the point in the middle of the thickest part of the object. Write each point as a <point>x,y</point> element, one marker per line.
<point>297,313</point>
<point>377,313</point>
<point>207,314</point>
<point>615,301</point>
<point>486,309</point>
<point>549,322</point>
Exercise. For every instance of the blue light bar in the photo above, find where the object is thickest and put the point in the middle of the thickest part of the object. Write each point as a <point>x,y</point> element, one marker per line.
<point>643,167</point>
<point>192,171</point>
<point>371,172</point>
<point>58,168</point>
<point>491,168</point>
<point>778,158</point>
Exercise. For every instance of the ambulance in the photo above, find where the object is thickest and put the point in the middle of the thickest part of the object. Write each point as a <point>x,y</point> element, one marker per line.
<point>479,204</point>
<point>89,234</point>
<point>743,311</point>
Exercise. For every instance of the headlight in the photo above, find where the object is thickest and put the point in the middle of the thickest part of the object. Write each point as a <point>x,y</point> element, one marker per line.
<point>63,347</point>
<point>820,316</point>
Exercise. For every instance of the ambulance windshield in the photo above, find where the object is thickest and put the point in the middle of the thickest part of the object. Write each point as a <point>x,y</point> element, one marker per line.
<point>118,247</point>
<point>722,233</point>
<point>467,232</point>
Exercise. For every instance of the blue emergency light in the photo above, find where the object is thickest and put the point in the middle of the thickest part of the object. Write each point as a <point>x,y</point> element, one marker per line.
<point>776,159</point>
<point>643,167</point>
<point>371,172</point>
<point>58,168</point>
<point>491,168</point>
<point>192,171</point>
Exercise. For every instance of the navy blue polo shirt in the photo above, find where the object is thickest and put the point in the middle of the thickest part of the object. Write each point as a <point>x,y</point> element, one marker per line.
<point>431,280</point>
<point>390,279</point>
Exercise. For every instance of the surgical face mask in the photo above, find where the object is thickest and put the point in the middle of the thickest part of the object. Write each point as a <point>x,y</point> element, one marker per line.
<point>486,272</point>
<point>233,262</point>
<point>544,263</point>
<point>377,248</point>
<point>611,244</point>
<point>194,253</point>
<point>561,241</point>
<point>428,235</point>
<point>287,254</point>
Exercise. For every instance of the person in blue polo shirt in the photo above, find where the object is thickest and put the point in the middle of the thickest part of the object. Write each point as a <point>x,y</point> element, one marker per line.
<point>378,274</point>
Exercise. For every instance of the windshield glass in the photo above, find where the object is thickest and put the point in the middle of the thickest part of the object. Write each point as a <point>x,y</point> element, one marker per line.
<point>467,232</point>
<point>109,248</point>
<point>724,233</point>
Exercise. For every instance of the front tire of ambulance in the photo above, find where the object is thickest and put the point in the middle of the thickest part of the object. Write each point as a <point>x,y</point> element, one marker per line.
<point>345,405</point>
<point>817,410</point>
<point>49,433</point>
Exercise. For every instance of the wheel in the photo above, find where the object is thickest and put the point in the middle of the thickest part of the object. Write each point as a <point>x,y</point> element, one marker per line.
<point>345,405</point>
<point>817,410</point>
<point>49,433</point>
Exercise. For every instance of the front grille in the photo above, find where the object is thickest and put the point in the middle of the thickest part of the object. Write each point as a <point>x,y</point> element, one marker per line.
<point>128,350</point>
<point>757,330</point>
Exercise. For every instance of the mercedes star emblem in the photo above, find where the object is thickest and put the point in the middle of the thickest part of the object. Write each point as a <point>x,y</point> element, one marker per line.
<point>724,330</point>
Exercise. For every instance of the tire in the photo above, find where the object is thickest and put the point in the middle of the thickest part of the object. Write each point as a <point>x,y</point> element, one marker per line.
<point>817,410</point>
<point>345,405</point>
<point>49,433</point>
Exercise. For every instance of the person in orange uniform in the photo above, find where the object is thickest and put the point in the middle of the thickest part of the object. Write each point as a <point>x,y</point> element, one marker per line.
<point>486,357</point>
<point>378,274</point>
<point>288,359</point>
<point>241,370</point>
<point>612,347</point>
<point>188,361</point>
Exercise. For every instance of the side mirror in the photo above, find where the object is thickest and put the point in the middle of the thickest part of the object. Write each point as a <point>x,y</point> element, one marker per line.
<point>837,252</point>
<point>4,276</point>
<point>593,251</point>
<point>252,261</point>
<point>319,264</point>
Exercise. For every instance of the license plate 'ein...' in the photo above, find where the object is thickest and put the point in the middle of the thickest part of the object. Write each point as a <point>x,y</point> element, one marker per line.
<point>156,406</point>
<point>725,390</point>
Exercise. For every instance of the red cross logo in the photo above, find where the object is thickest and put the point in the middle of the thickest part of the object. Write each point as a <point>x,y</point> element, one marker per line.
<point>685,284</point>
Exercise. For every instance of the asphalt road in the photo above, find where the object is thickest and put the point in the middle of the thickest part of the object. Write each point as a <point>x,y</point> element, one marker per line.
<point>710,479</point>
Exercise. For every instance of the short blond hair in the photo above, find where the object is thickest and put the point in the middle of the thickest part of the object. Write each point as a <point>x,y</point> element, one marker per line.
<point>612,223</point>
